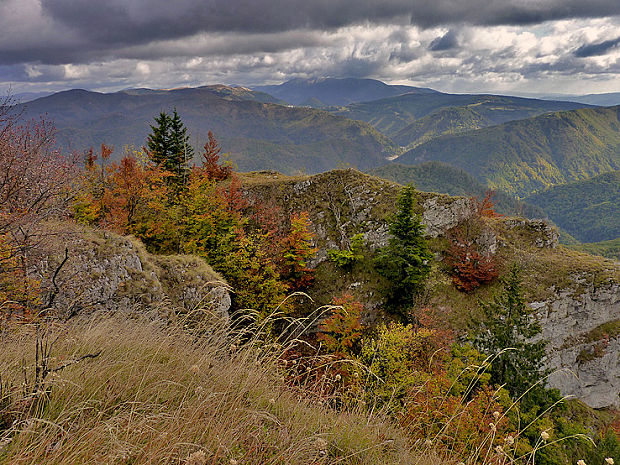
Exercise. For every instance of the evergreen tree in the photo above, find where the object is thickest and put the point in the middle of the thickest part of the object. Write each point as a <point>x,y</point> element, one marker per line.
<point>406,261</point>
<point>168,146</point>
<point>508,325</point>
<point>158,142</point>
<point>182,150</point>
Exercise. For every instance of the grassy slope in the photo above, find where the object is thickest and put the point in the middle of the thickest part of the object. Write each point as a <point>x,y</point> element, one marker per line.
<point>609,249</point>
<point>445,179</point>
<point>589,210</point>
<point>521,157</point>
<point>158,395</point>
<point>281,137</point>
<point>394,114</point>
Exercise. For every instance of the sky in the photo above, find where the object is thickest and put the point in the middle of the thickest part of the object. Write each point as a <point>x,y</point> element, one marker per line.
<point>509,46</point>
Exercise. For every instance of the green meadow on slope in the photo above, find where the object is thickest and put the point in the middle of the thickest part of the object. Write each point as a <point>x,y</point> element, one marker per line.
<point>609,249</point>
<point>522,157</point>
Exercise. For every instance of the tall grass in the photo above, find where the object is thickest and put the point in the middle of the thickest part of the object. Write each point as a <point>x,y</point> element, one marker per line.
<point>161,394</point>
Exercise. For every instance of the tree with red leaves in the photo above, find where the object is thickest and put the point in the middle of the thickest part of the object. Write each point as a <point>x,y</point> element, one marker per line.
<point>486,206</point>
<point>467,266</point>
<point>296,251</point>
<point>211,157</point>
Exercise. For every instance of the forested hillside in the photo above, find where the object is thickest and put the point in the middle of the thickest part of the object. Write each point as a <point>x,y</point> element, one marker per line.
<point>439,177</point>
<point>392,115</point>
<point>522,157</point>
<point>589,210</point>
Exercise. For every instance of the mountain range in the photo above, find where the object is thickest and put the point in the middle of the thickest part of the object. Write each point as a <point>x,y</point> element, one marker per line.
<point>256,133</point>
<point>518,146</point>
<point>326,92</point>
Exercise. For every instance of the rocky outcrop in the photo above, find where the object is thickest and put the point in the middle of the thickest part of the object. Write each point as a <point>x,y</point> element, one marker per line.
<point>576,296</point>
<point>583,331</point>
<point>440,215</point>
<point>111,273</point>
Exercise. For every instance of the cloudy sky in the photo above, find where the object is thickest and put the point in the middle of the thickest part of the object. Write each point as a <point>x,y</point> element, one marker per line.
<point>518,46</point>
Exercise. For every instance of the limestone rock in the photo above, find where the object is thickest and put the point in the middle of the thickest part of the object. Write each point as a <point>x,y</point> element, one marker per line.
<point>583,331</point>
<point>111,273</point>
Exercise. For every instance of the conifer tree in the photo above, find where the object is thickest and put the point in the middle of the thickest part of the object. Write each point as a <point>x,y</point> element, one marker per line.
<point>406,261</point>
<point>168,146</point>
<point>507,329</point>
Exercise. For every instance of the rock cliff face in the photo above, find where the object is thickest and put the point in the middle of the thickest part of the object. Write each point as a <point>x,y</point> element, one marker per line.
<point>111,273</point>
<point>583,330</point>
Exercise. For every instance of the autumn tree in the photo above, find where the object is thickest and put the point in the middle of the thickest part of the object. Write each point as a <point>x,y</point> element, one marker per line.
<point>468,266</point>
<point>296,250</point>
<point>135,194</point>
<point>486,206</point>
<point>341,331</point>
<point>36,185</point>
<point>214,227</point>
<point>210,163</point>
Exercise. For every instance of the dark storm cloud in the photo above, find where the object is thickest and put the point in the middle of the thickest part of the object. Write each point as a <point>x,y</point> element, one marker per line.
<point>86,30</point>
<point>446,42</point>
<point>601,48</point>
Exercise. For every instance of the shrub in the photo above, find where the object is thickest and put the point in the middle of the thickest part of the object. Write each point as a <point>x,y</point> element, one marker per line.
<point>341,331</point>
<point>468,267</point>
<point>347,258</point>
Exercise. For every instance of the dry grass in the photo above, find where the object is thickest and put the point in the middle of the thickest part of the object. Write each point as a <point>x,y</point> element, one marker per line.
<point>161,395</point>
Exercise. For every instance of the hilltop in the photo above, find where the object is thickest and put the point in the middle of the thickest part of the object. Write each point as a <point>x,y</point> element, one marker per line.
<point>557,280</point>
<point>324,92</point>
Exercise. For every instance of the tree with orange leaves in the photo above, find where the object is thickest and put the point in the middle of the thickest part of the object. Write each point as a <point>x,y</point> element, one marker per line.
<point>210,163</point>
<point>296,252</point>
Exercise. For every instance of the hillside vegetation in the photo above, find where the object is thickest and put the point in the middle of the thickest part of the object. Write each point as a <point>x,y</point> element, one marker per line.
<point>255,135</point>
<point>270,319</point>
<point>589,210</point>
<point>152,395</point>
<point>609,249</point>
<point>445,179</point>
<point>522,157</point>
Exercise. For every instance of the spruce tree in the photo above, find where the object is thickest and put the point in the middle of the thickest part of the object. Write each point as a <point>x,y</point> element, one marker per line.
<point>406,261</point>
<point>507,328</point>
<point>168,146</point>
<point>182,151</point>
<point>158,142</point>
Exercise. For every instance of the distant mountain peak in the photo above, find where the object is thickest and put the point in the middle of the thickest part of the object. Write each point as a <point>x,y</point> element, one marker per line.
<point>336,91</point>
